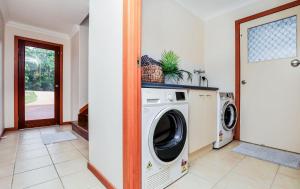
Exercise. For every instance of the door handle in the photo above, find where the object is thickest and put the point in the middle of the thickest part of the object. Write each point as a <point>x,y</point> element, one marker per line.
<point>56,86</point>
<point>295,63</point>
<point>244,82</point>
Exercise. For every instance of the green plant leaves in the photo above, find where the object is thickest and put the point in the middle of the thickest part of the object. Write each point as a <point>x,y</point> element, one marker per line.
<point>170,65</point>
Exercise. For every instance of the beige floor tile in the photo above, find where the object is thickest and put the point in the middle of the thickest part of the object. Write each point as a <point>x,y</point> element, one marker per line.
<point>191,181</point>
<point>66,156</point>
<point>286,182</point>
<point>34,177</point>
<point>222,159</point>
<point>32,154</point>
<point>262,172</point>
<point>70,167</point>
<point>81,180</point>
<point>8,145</point>
<point>236,181</point>
<point>98,186</point>
<point>51,130</point>
<point>6,170</point>
<point>66,127</point>
<point>53,184</point>
<point>210,171</point>
<point>30,147</point>
<point>80,143</point>
<point>7,160</point>
<point>31,141</point>
<point>60,147</point>
<point>5,183</point>
<point>31,164</point>
<point>230,146</point>
<point>8,152</point>
<point>84,152</point>
<point>295,173</point>
<point>31,135</point>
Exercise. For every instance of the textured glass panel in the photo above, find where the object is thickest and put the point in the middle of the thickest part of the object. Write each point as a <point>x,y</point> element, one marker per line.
<point>274,40</point>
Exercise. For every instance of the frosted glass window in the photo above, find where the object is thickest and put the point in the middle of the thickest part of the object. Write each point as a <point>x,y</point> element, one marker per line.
<point>274,40</point>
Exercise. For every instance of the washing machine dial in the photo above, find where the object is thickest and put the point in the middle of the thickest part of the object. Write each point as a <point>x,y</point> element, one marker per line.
<point>170,97</point>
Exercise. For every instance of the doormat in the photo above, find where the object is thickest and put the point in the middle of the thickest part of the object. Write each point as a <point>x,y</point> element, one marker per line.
<point>284,158</point>
<point>58,137</point>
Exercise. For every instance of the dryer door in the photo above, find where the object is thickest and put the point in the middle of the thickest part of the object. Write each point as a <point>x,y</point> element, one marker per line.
<point>168,135</point>
<point>229,116</point>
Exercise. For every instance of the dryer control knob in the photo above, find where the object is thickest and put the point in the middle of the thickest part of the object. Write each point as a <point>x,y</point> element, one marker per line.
<point>170,97</point>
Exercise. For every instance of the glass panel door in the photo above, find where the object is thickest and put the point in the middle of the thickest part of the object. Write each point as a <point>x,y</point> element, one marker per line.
<point>39,83</point>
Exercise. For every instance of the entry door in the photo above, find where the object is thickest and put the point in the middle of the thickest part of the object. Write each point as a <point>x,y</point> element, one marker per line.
<point>38,84</point>
<point>270,88</point>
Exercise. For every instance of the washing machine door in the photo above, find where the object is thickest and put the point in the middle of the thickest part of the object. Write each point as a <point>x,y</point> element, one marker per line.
<point>168,135</point>
<point>229,116</point>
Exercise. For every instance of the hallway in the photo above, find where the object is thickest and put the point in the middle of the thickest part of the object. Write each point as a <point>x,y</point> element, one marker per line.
<point>25,162</point>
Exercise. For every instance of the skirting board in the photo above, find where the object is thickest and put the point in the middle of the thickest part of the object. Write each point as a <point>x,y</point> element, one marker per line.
<point>6,130</point>
<point>67,123</point>
<point>100,176</point>
<point>201,152</point>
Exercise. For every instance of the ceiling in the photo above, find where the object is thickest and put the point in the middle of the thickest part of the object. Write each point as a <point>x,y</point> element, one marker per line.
<point>206,9</point>
<point>56,15</point>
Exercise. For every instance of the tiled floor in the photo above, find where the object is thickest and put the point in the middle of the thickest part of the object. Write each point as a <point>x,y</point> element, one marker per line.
<point>224,169</point>
<point>25,162</point>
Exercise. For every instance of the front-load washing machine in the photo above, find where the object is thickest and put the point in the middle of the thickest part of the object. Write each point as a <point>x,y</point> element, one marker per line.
<point>164,136</point>
<point>226,119</point>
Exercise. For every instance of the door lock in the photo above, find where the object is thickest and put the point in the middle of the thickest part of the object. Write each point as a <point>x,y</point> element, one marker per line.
<point>244,82</point>
<point>295,63</point>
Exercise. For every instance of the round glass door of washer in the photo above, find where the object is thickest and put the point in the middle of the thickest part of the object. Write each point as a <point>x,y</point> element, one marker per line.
<point>169,136</point>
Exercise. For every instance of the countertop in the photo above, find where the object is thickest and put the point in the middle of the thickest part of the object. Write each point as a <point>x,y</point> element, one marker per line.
<point>174,86</point>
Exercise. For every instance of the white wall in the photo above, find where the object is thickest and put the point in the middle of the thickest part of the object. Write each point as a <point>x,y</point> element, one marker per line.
<point>105,89</point>
<point>166,25</point>
<point>12,30</point>
<point>83,66</point>
<point>79,67</point>
<point>1,73</point>
<point>75,76</point>
<point>219,43</point>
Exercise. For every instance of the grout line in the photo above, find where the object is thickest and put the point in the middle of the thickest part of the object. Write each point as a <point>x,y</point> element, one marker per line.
<point>54,166</point>
<point>17,149</point>
<point>40,183</point>
<point>273,180</point>
<point>229,172</point>
<point>78,148</point>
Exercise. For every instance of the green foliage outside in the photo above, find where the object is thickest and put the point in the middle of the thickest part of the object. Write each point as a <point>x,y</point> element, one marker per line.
<point>39,69</point>
<point>170,65</point>
<point>30,96</point>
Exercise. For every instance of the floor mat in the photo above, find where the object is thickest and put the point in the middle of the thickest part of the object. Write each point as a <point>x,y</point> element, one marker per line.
<point>58,137</point>
<point>269,154</point>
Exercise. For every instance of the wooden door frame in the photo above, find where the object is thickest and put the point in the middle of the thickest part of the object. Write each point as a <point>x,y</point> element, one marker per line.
<point>132,174</point>
<point>238,53</point>
<point>16,74</point>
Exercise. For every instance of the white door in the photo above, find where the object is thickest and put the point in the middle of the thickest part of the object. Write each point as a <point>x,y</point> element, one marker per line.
<point>270,88</point>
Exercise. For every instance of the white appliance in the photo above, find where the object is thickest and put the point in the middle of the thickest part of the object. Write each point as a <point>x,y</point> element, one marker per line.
<point>226,119</point>
<point>164,136</point>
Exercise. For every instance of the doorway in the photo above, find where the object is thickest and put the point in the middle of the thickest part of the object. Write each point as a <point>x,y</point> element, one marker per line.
<point>269,80</point>
<point>39,75</point>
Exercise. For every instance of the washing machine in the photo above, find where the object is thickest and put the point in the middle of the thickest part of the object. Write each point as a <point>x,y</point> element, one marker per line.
<point>164,136</point>
<point>226,119</point>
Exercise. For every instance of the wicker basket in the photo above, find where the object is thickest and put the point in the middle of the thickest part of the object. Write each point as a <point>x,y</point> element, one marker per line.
<point>151,70</point>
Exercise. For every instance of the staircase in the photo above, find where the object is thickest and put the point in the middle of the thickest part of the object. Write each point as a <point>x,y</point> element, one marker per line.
<point>81,126</point>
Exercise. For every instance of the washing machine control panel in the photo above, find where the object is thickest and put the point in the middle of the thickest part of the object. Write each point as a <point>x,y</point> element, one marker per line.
<point>160,96</point>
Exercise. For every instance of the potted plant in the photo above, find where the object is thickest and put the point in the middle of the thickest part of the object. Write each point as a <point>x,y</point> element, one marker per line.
<point>170,66</point>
